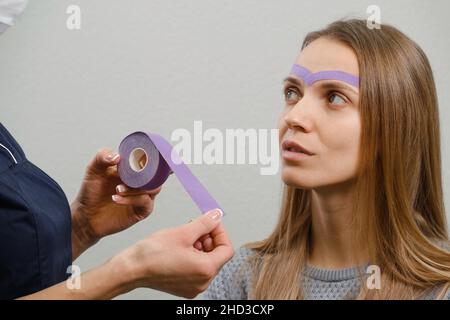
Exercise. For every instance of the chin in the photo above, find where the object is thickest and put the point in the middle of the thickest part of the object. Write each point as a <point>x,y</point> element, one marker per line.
<point>293,178</point>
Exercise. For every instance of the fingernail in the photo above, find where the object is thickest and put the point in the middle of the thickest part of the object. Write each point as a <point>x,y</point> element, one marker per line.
<point>215,214</point>
<point>112,157</point>
<point>120,188</point>
<point>115,198</point>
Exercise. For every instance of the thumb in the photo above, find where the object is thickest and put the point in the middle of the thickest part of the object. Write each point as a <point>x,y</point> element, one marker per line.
<point>102,160</point>
<point>203,224</point>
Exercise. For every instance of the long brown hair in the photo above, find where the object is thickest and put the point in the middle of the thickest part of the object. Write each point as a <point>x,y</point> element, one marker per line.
<point>399,206</point>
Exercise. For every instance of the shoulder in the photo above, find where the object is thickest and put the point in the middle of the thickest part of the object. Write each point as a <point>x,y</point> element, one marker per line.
<point>233,282</point>
<point>446,296</point>
<point>6,157</point>
<point>443,244</point>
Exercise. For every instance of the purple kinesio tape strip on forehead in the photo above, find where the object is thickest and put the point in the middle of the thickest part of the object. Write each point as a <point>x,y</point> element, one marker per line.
<point>309,78</point>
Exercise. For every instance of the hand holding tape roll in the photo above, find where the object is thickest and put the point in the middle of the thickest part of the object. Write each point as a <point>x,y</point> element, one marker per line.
<point>147,160</point>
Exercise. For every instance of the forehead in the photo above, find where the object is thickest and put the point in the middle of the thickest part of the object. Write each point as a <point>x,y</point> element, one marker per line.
<point>327,54</point>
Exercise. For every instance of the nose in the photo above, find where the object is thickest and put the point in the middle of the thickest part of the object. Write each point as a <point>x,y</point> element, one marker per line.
<point>298,117</point>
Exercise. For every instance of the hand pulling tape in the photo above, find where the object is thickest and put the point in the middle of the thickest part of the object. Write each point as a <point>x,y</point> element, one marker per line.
<point>147,160</point>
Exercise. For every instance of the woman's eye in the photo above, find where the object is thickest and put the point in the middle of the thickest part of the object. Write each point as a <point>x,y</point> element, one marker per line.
<point>291,96</point>
<point>336,99</point>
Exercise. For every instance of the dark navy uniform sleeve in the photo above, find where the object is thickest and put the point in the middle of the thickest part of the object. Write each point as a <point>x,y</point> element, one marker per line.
<point>35,225</point>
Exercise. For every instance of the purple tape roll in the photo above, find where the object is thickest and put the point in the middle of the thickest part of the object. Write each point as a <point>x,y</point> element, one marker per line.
<point>147,160</point>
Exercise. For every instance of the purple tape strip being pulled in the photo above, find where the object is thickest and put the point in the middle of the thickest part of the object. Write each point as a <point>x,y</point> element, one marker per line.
<point>161,161</point>
<point>309,78</point>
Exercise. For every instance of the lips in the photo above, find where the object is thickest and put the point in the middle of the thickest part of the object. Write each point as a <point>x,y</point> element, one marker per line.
<point>291,146</point>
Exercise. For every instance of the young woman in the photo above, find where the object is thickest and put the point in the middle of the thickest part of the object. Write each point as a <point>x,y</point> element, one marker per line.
<point>360,144</point>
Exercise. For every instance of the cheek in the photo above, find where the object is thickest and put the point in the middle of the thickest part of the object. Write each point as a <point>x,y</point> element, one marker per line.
<point>341,147</point>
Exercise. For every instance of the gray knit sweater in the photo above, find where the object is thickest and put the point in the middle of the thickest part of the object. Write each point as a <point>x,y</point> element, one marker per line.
<point>234,281</point>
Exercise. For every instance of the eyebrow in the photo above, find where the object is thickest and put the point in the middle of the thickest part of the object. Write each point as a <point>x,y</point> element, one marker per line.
<point>326,84</point>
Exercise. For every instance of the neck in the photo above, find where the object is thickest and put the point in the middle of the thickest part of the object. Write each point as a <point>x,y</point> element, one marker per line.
<point>332,238</point>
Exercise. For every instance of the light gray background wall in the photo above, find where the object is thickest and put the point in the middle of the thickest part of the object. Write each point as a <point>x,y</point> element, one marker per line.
<point>160,65</point>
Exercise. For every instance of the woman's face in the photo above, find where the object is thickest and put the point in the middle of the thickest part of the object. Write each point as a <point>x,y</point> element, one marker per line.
<point>323,118</point>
